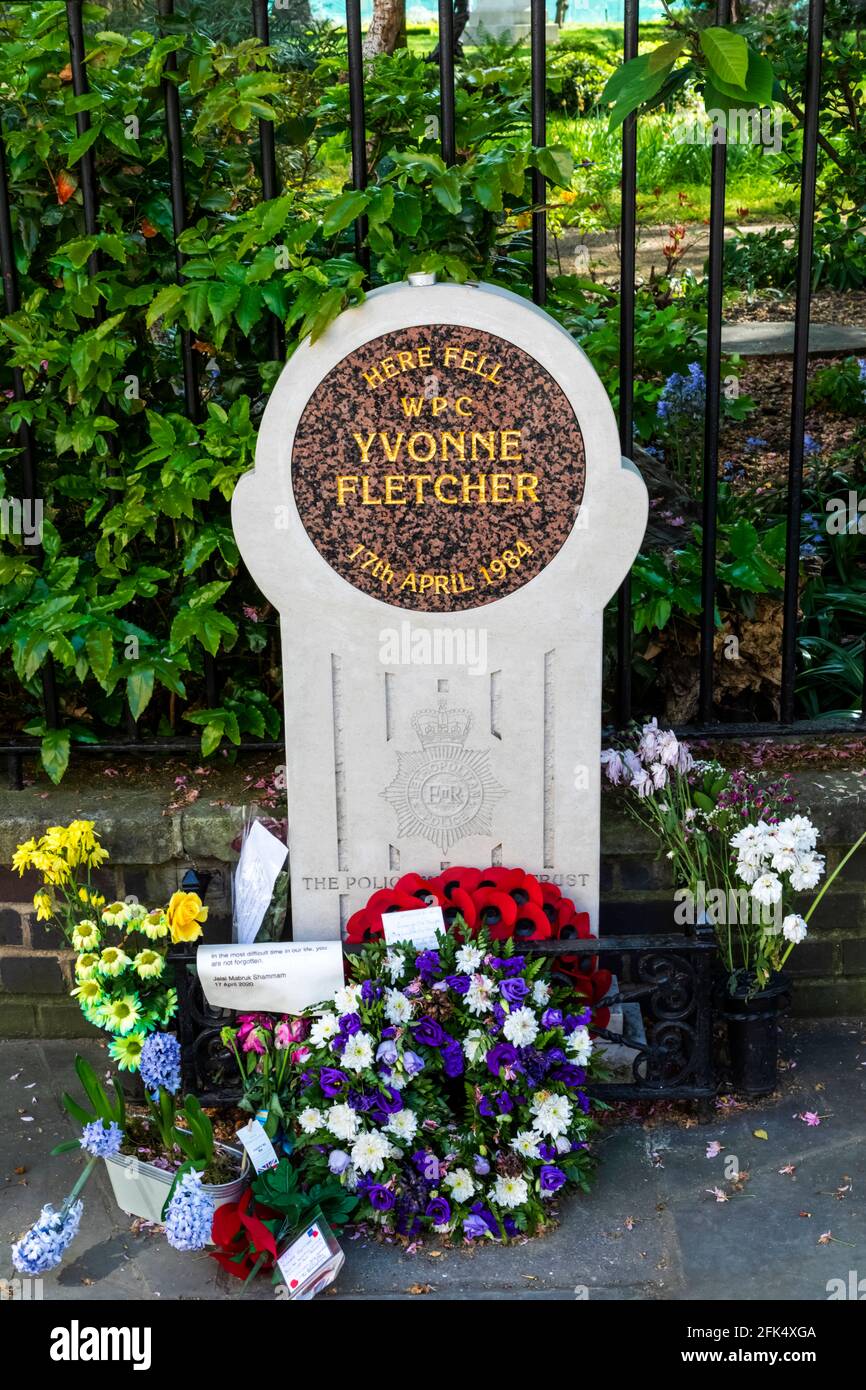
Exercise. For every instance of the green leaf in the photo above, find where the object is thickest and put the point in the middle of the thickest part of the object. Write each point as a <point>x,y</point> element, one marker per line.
<point>727,54</point>
<point>81,144</point>
<point>139,689</point>
<point>343,210</point>
<point>54,752</point>
<point>100,651</point>
<point>446,190</point>
<point>666,53</point>
<point>555,163</point>
<point>164,302</point>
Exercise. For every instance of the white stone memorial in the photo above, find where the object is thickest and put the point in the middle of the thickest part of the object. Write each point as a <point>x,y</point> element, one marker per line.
<point>440,513</point>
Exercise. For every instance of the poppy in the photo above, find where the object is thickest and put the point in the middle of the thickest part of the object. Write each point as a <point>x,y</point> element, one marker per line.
<point>419,888</point>
<point>460,905</point>
<point>531,924</point>
<point>456,879</point>
<point>496,911</point>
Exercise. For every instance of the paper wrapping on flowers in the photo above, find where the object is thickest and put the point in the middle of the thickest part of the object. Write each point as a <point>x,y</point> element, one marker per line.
<point>272,977</point>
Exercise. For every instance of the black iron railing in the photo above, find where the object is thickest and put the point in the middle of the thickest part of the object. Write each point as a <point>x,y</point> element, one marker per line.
<point>16,749</point>
<point>671,978</point>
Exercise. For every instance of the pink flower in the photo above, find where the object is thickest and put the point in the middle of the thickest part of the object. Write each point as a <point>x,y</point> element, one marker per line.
<point>714,1148</point>
<point>810,1118</point>
<point>300,1054</point>
<point>254,1041</point>
<point>282,1036</point>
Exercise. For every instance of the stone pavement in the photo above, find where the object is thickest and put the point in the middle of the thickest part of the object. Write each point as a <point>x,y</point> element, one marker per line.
<point>649,1229</point>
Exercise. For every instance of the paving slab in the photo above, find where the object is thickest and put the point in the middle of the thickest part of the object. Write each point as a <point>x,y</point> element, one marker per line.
<point>777,339</point>
<point>650,1229</point>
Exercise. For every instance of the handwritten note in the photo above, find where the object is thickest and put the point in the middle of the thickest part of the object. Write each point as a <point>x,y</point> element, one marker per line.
<point>274,977</point>
<point>311,1262</point>
<point>418,926</point>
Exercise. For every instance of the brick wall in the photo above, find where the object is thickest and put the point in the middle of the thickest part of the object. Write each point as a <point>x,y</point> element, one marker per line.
<point>151,850</point>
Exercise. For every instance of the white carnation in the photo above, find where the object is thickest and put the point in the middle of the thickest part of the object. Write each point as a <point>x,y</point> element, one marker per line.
<point>521,1027</point>
<point>580,1044</point>
<point>370,1151</point>
<point>310,1119</point>
<point>481,994</point>
<point>347,999</point>
<point>403,1125</point>
<point>469,958</point>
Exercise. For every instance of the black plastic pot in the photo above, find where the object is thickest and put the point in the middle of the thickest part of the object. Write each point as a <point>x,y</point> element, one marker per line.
<point>753,1017</point>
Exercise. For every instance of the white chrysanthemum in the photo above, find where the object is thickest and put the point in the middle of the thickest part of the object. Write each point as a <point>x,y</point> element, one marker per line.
<point>481,995</point>
<point>310,1119</point>
<point>403,1125</point>
<point>784,859</point>
<point>342,1121</point>
<point>358,1052</point>
<point>510,1192</point>
<point>767,888</point>
<point>370,1151</point>
<point>552,1113</point>
<point>469,958</point>
<point>794,928</point>
<point>347,999</point>
<point>324,1029</point>
<point>394,964</point>
<point>526,1143</point>
<point>541,993</point>
<point>580,1045</point>
<point>750,837</point>
<point>521,1027</point>
<point>475,1045</point>
<point>398,1009</point>
<point>747,872</point>
<point>808,872</point>
<point>461,1184</point>
<point>798,832</point>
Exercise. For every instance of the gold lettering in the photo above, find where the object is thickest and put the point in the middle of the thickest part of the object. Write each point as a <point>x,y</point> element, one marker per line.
<point>367,500</point>
<point>345,482</point>
<point>459,401</point>
<point>456,441</point>
<point>479,486</point>
<point>412,405</point>
<point>413,447</point>
<point>437,488</point>
<point>392,451</point>
<point>526,486</point>
<point>510,440</point>
<point>365,448</point>
<point>394,489</point>
<point>500,487</point>
<point>487,442</point>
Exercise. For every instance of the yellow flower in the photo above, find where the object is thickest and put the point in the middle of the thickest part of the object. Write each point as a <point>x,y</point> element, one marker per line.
<point>185,916</point>
<point>86,965</point>
<point>115,914</point>
<point>86,935</point>
<point>44,904</point>
<point>88,993</point>
<point>149,964</point>
<point>154,925</point>
<point>121,1015</point>
<point>113,961</point>
<point>23,856</point>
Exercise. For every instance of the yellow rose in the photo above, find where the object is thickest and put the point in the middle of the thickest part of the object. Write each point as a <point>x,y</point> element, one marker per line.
<point>185,917</point>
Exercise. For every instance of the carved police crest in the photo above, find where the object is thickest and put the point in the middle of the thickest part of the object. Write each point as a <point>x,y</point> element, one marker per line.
<point>445,791</point>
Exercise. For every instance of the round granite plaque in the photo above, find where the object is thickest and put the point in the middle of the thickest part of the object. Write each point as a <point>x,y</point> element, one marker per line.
<point>438,468</point>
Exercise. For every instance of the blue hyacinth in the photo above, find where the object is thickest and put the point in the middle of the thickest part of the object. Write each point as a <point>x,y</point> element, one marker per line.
<point>189,1218</point>
<point>101,1141</point>
<point>160,1063</point>
<point>683,397</point>
<point>44,1245</point>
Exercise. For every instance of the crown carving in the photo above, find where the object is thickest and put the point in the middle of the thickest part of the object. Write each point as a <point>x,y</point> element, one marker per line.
<point>441,725</point>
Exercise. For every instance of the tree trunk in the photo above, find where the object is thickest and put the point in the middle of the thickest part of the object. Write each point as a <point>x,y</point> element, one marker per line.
<point>387,29</point>
<point>561,11</point>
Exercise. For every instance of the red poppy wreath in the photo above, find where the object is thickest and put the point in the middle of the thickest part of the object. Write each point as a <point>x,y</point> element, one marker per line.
<point>508,903</point>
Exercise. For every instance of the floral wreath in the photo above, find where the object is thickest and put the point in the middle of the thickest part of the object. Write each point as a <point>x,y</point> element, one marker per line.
<point>506,903</point>
<point>446,1089</point>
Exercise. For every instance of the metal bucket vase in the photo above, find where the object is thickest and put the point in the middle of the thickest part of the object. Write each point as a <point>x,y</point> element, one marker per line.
<point>140,1189</point>
<point>752,1018</point>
